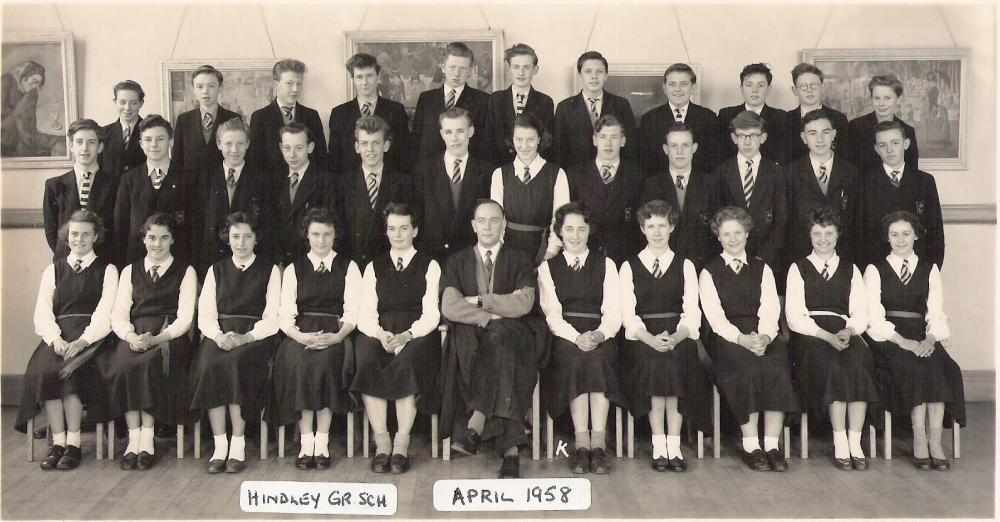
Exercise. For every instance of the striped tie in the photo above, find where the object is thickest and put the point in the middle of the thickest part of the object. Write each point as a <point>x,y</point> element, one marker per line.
<point>399,264</point>
<point>904,273</point>
<point>680,182</point>
<point>321,269</point>
<point>606,174</point>
<point>78,266</point>
<point>823,178</point>
<point>577,265</point>
<point>593,110</point>
<point>85,190</point>
<point>488,264</point>
<point>366,109</point>
<point>456,172</point>
<point>678,116</point>
<point>656,269</point>
<point>154,273</point>
<point>208,120</point>
<point>826,271</point>
<point>737,265</point>
<point>372,189</point>
<point>287,114</point>
<point>895,178</point>
<point>157,178</point>
<point>748,182</point>
<point>126,132</point>
<point>231,179</point>
<point>527,175</point>
<point>293,186</point>
<point>450,102</point>
<point>519,108</point>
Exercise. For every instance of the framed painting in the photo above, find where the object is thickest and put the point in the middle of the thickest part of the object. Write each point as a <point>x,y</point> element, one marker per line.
<point>411,61</point>
<point>935,94</point>
<point>640,84</point>
<point>247,85</point>
<point>39,99</point>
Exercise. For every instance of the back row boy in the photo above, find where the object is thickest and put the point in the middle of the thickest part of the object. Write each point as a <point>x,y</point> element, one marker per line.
<point>519,98</point>
<point>755,85</point>
<point>121,151</point>
<point>807,86</point>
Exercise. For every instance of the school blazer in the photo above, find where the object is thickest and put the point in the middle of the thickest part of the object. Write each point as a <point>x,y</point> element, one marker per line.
<point>190,154</point>
<point>119,157</point>
<point>768,207</point>
<point>365,231</point>
<point>615,228</point>
<point>501,122</point>
<point>137,200</point>
<point>653,127</point>
<point>251,196</point>
<point>316,189</point>
<point>574,134</point>
<point>861,148</point>
<point>774,124</point>
<point>795,148</point>
<point>344,159</point>
<point>692,237</point>
<point>447,228</point>
<point>805,194</point>
<point>265,134</point>
<point>62,198</point>
<point>427,140</point>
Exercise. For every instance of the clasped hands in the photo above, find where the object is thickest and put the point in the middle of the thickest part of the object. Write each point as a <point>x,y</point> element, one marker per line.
<point>840,340</point>
<point>67,350</point>
<point>755,342</point>
<point>229,340</point>
<point>919,348</point>
<point>589,340</point>
<point>320,340</point>
<point>663,341</point>
<point>143,342</point>
<point>394,343</point>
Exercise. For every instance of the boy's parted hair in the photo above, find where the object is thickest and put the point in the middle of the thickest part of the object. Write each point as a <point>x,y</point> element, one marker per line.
<point>816,114</point>
<point>84,124</point>
<point>608,120</point>
<point>155,120</point>
<point>805,68</point>
<point>679,126</point>
<point>206,69</point>
<point>362,61</point>
<point>756,68</point>
<point>287,65</point>
<point>884,126</point>
<point>460,50</point>
<point>372,124</point>
<point>747,120</point>
<point>296,128</point>
<point>129,85</point>
<point>232,124</point>
<point>455,113</point>
<point>885,80</point>
<point>520,50</point>
<point>681,68</point>
<point>591,55</point>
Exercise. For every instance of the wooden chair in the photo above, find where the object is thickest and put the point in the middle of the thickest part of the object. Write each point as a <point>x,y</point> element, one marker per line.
<point>956,438</point>
<point>98,439</point>
<point>631,438</point>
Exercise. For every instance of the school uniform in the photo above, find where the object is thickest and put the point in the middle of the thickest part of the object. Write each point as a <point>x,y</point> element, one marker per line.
<point>395,301</point>
<point>315,188</point>
<point>446,202</point>
<point>917,193</point>
<point>576,301</point>
<point>861,144</point>
<point>265,136</point>
<point>71,305</point>
<point>343,158</point>
<point>489,361</point>
<point>573,138</point>
<point>156,380</point>
<point>427,131</point>
<point>767,206</point>
<point>615,228</point>
<point>913,310</point>
<point>365,235</point>
<point>138,198</point>
<point>811,184</point>
<point>530,205</point>
<point>660,294</point>
<point>249,191</point>
<point>195,150</point>
<point>241,299</point>
<point>796,149</point>
<point>774,125</point>
<point>62,198</point>
<point>503,109</point>
<point>314,298</point>
<point>653,129</point>
<point>120,156</point>
<point>696,200</point>
<point>742,303</point>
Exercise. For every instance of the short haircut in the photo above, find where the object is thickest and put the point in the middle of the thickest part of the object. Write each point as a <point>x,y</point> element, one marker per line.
<point>206,69</point>
<point>323,216</point>
<point>399,209</point>
<point>371,125</point>
<point>679,126</point>
<point>824,216</point>
<point>526,120</point>
<point>84,124</point>
<point>520,50</point>
<point>901,215</point>
<point>608,120</point>
<point>884,126</point>
<point>287,65</point>
<point>295,128</point>
<point>573,207</point>
<point>239,218</point>
<point>756,68</point>
<point>155,120</point>
<point>460,50</point>
<point>805,68</point>
<point>362,61</point>
<point>885,80</point>
<point>590,55</point>
<point>487,201</point>
<point>816,114</point>
<point>129,85</point>
<point>232,124</point>
<point>455,113</point>
<point>680,68</point>
<point>163,219</point>
<point>731,214</point>
<point>747,120</point>
<point>83,216</point>
<point>657,207</point>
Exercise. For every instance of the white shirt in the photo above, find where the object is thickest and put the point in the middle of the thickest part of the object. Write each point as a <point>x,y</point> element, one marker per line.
<point>430,315</point>
<point>686,173</point>
<point>80,171</point>
<point>237,171</point>
<point>301,172</point>
<point>816,164</point>
<point>130,124</point>
<point>757,110</point>
<point>513,96</point>
<point>879,328</point>
<point>458,93</point>
<point>599,104</point>
<point>449,163</point>
<point>150,167</point>
<point>889,170</point>
<point>611,309</point>
<point>560,192</point>
<point>378,175</point>
<point>371,104</point>
<point>690,314</point>
<point>493,250</point>
<point>100,321</point>
<point>614,166</point>
<point>741,165</point>
<point>800,317</point>
<point>289,308</point>
<point>674,109</point>
<point>282,108</point>
<point>767,312</point>
<point>208,311</point>
<point>121,322</point>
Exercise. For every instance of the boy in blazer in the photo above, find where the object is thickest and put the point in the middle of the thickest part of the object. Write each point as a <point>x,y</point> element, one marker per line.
<point>755,84</point>
<point>194,151</point>
<point>121,139</point>
<point>447,188</point>
<point>885,91</point>
<point>678,84</point>
<point>807,86</point>
<point>266,123</point>
<point>364,71</point>
<point>575,116</point>
<point>520,97</point>
<point>454,92</point>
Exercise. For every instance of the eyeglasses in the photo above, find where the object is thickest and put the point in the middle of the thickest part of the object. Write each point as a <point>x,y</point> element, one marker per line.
<point>806,87</point>
<point>743,137</point>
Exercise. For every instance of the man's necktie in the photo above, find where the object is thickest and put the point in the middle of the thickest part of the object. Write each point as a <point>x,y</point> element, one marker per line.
<point>157,178</point>
<point>450,102</point>
<point>85,190</point>
<point>78,266</point>
<point>293,186</point>
<point>488,264</point>
<point>904,273</point>
<point>154,273</point>
<point>399,264</point>
<point>748,182</point>
<point>366,109</point>
<point>242,268</point>
<point>895,178</point>
<point>372,189</point>
<point>593,110</point>
<point>456,172</point>
<point>606,174</point>
<point>824,178</point>
<point>526,177</point>
<point>286,112</point>
<point>519,108</point>
<point>207,120</point>
<point>321,269</point>
<point>737,265</point>
<point>657,272</point>
<point>826,271</point>
<point>680,182</point>
<point>231,179</point>
<point>678,116</point>
<point>126,132</point>
<point>577,265</point>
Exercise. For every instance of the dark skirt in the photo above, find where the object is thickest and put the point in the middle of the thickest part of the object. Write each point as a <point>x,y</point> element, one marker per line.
<point>752,383</point>
<point>572,372</point>
<point>238,376</point>
<point>647,373</point>
<point>906,381</point>
<point>824,374</point>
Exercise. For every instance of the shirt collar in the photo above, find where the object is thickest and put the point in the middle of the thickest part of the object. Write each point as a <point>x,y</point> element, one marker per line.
<point>80,171</point>
<point>147,264</point>
<point>237,170</point>
<point>378,172</point>
<point>213,113</point>
<point>614,164</point>
<point>373,102</point>
<point>571,258</point>
<point>493,251</point>
<point>741,160</point>
<point>686,173</point>
<point>586,97</point>
<point>757,111</point>
<point>647,258</point>
<point>301,171</point>
<point>896,262</point>
<point>458,92</point>
<point>407,256</point>
<point>327,261</point>
<point>283,107</point>
<point>130,125</point>
<point>85,261</point>
<point>729,259</point>
<point>449,161</point>
<point>675,108</point>
<point>514,91</point>
<point>831,263</point>
<point>816,164</point>
<point>165,167</point>
<point>535,166</point>
<point>888,170</point>
<point>248,264</point>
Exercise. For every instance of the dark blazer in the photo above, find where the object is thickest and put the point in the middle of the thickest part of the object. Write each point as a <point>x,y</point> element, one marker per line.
<point>692,237</point>
<point>446,228</point>
<point>365,230</point>
<point>191,155</point>
<point>118,157</point>
<point>251,195</point>
<point>265,134</point>
<point>343,158</point>
<point>654,124</point>
<point>501,122</point>
<point>768,208</point>
<point>795,148</point>
<point>774,124</point>
<point>137,200</point>
<point>62,198</point>
<point>427,132</point>
<point>805,194</point>
<point>861,144</point>
<point>574,135</point>
<point>615,229</point>
<point>316,189</point>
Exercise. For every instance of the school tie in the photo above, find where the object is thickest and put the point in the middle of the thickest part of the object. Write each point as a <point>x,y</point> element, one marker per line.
<point>366,109</point>
<point>207,120</point>
<point>680,182</point>
<point>372,189</point>
<point>287,113</point>
<point>678,116</point>
<point>231,179</point>
<point>823,178</point>
<point>606,174</point>
<point>904,273</point>
<point>456,172</point>
<point>293,186</point>
<point>656,269</point>
<point>593,110</point>
<point>321,269</point>
<point>748,183</point>
<point>154,273</point>
<point>78,266</point>
<point>85,190</point>
<point>826,270</point>
<point>126,132</point>
<point>895,178</point>
<point>519,108</point>
<point>450,102</point>
<point>527,175</point>
<point>737,265</point>
<point>577,265</point>
<point>242,268</point>
<point>488,264</point>
<point>157,178</point>
<point>399,264</point>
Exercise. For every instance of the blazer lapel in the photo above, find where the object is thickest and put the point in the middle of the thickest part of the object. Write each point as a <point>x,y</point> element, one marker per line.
<point>71,191</point>
<point>99,189</point>
<point>809,177</point>
<point>734,180</point>
<point>306,187</point>
<point>470,184</point>
<point>836,177</point>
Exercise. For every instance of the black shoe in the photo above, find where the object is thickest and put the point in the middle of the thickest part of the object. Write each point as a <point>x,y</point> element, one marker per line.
<point>40,433</point>
<point>70,459</point>
<point>322,462</point>
<point>511,468</point>
<point>937,464</point>
<point>580,462</point>
<point>859,463</point>
<point>145,461</point>
<point>53,458</point>
<point>756,459</point>
<point>128,461</point>
<point>380,464</point>
<point>599,462</point>
<point>399,463</point>
<point>843,464</point>
<point>776,461</point>
<point>216,466</point>
<point>660,464</point>
<point>467,443</point>
<point>923,464</point>
<point>305,462</point>
<point>677,465</point>
<point>235,466</point>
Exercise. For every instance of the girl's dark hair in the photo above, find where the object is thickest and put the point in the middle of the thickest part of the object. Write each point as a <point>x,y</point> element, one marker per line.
<point>573,207</point>
<point>901,215</point>
<point>657,207</point>
<point>731,214</point>
<point>162,219</point>
<point>320,215</point>
<point>399,209</point>
<point>824,216</point>
<point>239,218</point>
<point>83,216</point>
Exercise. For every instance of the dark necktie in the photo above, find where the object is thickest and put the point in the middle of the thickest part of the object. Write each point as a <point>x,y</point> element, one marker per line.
<point>287,114</point>
<point>680,182</point>
<point>450,102</point>
<point>293,186</point>
<point>157,178</point>
<point>656,268</point>
<point>322,268</point>
<point>737,265</point>
<point>577,265</point>
<point>366,109</point>
<point>606,174</point>
<point>242,268</point>
<point>126,132</point>
<point>85,190</point>
<point>399,264</point>
<point>208,120</point>
<point>904,273</point>
<point>372,188</point>
<point>823,178</point>
<point>677,115</point>
<point>826,270</point>
<point>593,110</point>
<point>488,264</point>
<point>154,273</point>
<point>895,178</point>
<point>456,172</point>
<point>519,108</point>
<point>78,266</point>
<point>527,175</point>
<point>231,179</point>
<point>748,183</point>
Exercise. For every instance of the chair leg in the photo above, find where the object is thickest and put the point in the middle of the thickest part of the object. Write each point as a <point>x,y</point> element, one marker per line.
<point>788,440</point>
<point>263,437</point>
<point>180,441</point>
<point>804,435</point>
<point>887,436</point>
<point>631,436</point>
<point>549,437</point>
<point>716,427</point>
<point>281,442</point>
<point>111,440</point>
<point>434,436</point>
<point>701,445</point>
<point>99,440</point>
<point>956,441</point>
<point>350,435</point>
<point>364,429</point>
<point>31,440</point>
<point>446,449</point>
<point>618,432</point>
<point>197,439</point>
<point>536,423</point>
<point>872,442</point>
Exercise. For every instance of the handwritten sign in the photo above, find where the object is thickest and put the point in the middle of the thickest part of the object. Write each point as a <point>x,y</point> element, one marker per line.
<point>553,494</point>
<point>325,498</point>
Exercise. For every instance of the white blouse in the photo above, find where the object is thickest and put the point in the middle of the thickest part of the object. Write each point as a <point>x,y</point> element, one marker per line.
<point>690,314</point>
<point>611,308</point>
<point>430,315</point>
<point>880,329</point>
<point>799,316</point>
<point>767,313</point>
<point>208,312</point>
<point>121,321</point>
<point>289,308</point>
<point>100,321</point>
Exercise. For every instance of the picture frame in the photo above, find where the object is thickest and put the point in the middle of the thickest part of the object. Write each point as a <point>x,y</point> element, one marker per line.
<point>640,83</point>
<point>247,85</point>
<point>35,121</point>
<point>410,60</point>
<point>935,94</point>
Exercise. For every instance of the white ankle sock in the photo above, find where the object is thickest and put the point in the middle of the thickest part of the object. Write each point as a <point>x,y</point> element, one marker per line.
<point>674,447</point>
<point>840,445</point>
<point>221,445</point>
<point>401,444</point>
<point>306,439</point>
<point>59,439</point>
<point>73,438</point>
<point>321,444</point>
<point>133,441</point>
<point>237,448</point>
<point>770,443</point>
<point>146,440</point>
<point>854,442</point>
<point>659,446</point>
<point>750,444</point>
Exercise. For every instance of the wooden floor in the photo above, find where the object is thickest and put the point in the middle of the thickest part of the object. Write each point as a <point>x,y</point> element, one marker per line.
<point>180,489</point>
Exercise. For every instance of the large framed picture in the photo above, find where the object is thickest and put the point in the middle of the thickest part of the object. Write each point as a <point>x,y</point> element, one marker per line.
<point>411,61</point>
<point>247,85</point>
<point>935,94</point>
<point>39,99</point>
<point>641,84</point>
